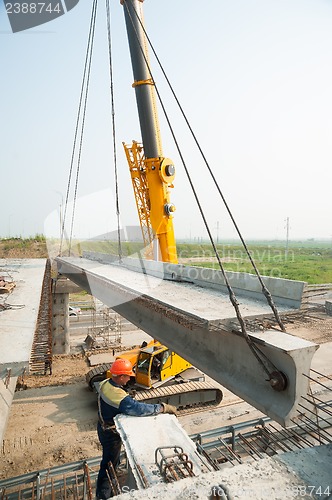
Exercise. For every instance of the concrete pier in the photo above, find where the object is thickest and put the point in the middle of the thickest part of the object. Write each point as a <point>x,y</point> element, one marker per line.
<point>61,288</point>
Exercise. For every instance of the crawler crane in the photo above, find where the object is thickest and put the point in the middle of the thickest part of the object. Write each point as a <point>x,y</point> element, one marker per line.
<point>269,369</point>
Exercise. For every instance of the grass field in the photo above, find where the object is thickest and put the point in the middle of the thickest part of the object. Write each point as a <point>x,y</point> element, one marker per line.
<point>305,262</point>
<point>309,260</point>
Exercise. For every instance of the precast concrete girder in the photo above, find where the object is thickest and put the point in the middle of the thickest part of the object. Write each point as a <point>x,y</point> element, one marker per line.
<point>183,317</point>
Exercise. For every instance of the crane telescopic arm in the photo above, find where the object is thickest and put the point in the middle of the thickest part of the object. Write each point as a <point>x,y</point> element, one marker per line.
<point>152,174</point>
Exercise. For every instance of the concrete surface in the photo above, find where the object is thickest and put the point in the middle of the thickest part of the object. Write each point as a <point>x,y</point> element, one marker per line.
<point>6,399</point>
<point>157,431</point>
<point>17,325</point>
<point>322,360</point>
<point>285,292</point>
<point>302,474</point>
<point>313,467</point>
<point>63,285</point>
<point>101,358</point>
<point>189,320</point>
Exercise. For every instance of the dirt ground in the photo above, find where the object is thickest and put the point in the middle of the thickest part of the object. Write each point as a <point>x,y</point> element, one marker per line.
<point>53,421</point>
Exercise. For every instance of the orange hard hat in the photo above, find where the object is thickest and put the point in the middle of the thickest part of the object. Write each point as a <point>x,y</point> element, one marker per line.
<point>122,367</point>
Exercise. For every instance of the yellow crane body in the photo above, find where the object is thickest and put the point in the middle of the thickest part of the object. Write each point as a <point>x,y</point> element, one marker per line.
<point>152,180</point>
<point>153,363</point>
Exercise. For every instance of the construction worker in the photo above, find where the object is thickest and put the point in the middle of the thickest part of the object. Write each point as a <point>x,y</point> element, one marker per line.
<point>112,400</point>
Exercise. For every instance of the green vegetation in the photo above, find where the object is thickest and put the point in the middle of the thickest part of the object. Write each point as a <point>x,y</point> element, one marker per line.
<point>34,247</point>
<point>111,247</point>
<point>309,260</point>
<point>305,261</point>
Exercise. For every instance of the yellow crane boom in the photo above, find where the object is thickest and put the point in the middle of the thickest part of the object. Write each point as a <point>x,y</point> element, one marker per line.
<point>152,179</point>
<point>152,175</point>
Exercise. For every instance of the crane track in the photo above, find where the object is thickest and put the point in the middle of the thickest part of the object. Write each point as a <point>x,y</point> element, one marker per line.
<point>207,406</point>
<point>197,409</point>
<point>188,397</point>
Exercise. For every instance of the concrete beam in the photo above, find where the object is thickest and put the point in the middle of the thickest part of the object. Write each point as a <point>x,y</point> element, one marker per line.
<point>6,398</point>
<point>285,293</point>
<point>64,285</point>
<point>183,317</point>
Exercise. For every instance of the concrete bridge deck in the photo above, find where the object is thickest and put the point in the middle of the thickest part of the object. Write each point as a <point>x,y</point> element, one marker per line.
<point>191,316</point>
<point>18,320</point>
<point>207,305</point>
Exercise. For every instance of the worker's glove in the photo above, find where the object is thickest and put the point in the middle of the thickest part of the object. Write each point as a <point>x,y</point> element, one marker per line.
<point>169,409</point>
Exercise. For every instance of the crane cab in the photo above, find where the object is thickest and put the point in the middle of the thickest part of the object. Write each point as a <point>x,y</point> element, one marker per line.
<point>156,364</point>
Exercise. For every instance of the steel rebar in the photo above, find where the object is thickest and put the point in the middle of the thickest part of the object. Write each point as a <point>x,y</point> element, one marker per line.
<point>320,374</point>
<point>319,417</point>
<point>306,431</point>
<point>227,458</point>
<point>317,382</point>
<point>288,435</point>
<point>229,449</point>
<point>269,435</point>
<point>313,426</point>
<point>321,406</point>
<point>250,445</point>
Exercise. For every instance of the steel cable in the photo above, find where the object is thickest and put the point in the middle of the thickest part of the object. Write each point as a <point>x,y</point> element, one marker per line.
<point>84,88</point>
<point>263,360</point>
<point>265,291</point>
<point>113,128</point>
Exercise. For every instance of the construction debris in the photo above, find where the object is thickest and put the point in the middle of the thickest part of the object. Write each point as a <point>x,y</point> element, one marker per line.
<point>6,286</point>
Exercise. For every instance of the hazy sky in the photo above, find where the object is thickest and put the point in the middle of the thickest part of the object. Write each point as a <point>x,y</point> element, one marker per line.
<point>254,78</point>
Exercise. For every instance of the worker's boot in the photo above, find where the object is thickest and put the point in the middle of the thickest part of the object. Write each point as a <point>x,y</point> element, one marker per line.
<point>104,495</point>
<point>104,491</point>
